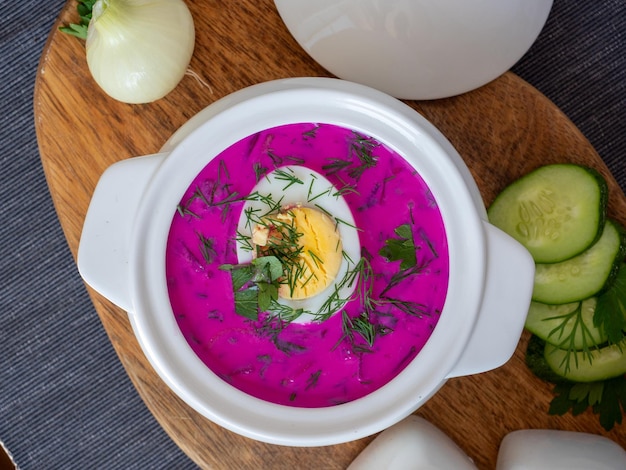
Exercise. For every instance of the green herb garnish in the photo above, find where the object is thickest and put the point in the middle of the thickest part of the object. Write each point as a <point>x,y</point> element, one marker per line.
<point>402,248</point>
<point>278,161</point>
<point>360,325</point>
<point>606,398</point>
<point>362,147</point>
<point>336,165</point>
<point>84,9</point>
<point>255,285</point>
<point>312,132</point>
<point>259,171</point>
<point>288,176</point>
<point>206,248</point>
<point>313,379</point>
<point>610,313</point>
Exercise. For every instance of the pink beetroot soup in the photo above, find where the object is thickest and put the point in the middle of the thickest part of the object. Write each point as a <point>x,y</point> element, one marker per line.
<point>361,347</point>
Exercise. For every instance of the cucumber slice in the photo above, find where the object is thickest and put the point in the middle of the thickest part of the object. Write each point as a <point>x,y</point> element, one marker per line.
<point>556,211</point>
<point>588,366</point>
<point>568,326</point>
<point>584,275</point>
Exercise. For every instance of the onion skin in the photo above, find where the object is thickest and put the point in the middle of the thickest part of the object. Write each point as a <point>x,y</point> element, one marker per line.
<point>139,50</point>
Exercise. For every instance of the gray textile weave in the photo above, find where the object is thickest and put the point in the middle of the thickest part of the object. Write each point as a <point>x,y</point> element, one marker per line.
<point>65,400</point>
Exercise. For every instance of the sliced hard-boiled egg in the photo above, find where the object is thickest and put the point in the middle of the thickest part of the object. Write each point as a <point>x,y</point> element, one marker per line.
<point>308,243</point>
<point>297,215</point>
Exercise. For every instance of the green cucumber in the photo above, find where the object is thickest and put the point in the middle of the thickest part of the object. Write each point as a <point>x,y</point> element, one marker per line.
<point>568,326</point>
<point>584,275</point>
<point>556,211</point>
<point>587,366</point>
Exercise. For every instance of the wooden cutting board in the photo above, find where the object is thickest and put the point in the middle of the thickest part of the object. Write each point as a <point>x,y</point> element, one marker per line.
<point>502,130</point>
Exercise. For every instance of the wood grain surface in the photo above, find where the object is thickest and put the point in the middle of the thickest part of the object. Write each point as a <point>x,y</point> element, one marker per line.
<point>502,131</point>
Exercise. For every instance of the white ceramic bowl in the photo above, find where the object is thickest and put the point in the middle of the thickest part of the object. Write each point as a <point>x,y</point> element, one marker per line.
<point>122,248</point>
<point>416,49</point>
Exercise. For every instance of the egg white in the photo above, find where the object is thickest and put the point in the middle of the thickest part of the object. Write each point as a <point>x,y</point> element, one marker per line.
<point>315,191</point>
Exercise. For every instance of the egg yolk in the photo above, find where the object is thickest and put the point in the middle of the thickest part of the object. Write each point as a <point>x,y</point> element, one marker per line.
<point>307,243</point>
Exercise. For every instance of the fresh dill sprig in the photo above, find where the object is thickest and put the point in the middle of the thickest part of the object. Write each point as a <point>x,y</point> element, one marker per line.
<point>279,161</point>
<point>284,312</point>
<point>272,206</point>
<point>244,241</point>
<point>336,165</point>
<point>293,159</point>
<point>184,210</point>
<point>336,301</point>
<point>362,147</point>
<point>414,309</point>
<point>288,176</point>
<point>313,379</point>
<point>222,172</point>
<point>345,189</point>
<point>311,198</point>
<point>252,217</point>
<point>573,320</point>
<point>341,221</point>
<point>325,211</point>
<point>259,171</point>
<point>360,325</point>
<point>198,194</point>
<point>346,256</point>
<point>206,248</point>
<point>311,132</point>
<point>361,158</point>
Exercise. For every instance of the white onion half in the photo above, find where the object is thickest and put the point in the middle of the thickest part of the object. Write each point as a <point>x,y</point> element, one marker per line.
<point>139,50</point>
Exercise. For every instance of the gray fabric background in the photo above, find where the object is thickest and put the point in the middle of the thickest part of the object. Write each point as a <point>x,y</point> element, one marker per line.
<point>65,401</point>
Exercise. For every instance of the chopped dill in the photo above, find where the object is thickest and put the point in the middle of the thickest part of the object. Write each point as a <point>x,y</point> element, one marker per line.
<point>288,176</point>
<point>184,210</point>
<point>345,189</point>
<point>293,159</point>
<point>245,242</point>
<point>336,165</point>
<point>259,171</point>
<point>316,259</point>
<point>313,379</point>
<point>325,211</point>
<point>341,221</point>
<point>206,248</point>
<point>311,132</point>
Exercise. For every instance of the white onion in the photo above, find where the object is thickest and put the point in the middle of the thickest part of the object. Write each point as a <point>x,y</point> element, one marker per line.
<point>139,50</point>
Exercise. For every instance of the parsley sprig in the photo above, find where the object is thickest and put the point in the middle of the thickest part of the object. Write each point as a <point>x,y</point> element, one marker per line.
<point>401,248</point>
<point>606,398</point>
<point>610,314</point>
<point>84,8</point>
<point>255,285</point>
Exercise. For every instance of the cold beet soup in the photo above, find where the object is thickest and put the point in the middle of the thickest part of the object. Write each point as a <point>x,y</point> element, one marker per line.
<point>307,264</point>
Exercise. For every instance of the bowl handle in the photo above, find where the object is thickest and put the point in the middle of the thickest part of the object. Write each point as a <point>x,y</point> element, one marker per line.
<point>103,251</point>
<point>507,296</point>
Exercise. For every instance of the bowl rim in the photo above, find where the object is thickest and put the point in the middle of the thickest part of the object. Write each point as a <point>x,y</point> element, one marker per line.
<point>347,105</point>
